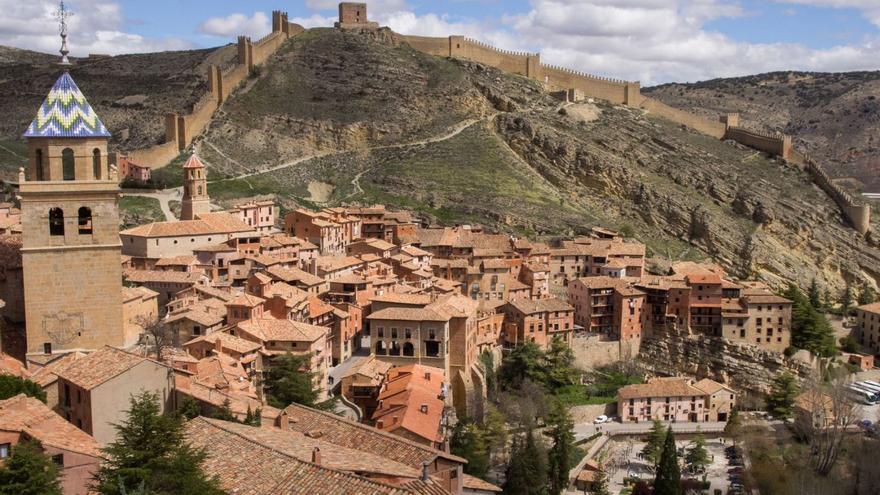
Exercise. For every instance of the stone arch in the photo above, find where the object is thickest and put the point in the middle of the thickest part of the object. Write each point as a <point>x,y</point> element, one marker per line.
<point>68,164</point>
<point>408,349</point>
<point>84,220</point>
<point>56,221</point>
<point>380,348</point>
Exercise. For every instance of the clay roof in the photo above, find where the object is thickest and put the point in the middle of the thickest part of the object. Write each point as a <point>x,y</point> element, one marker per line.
<point>239,402</point>
<point>246,300</point>
<point>380,244</point>
<point>710,386</point>
<point>660,387</point>
<point>11,366</point>
<point>870,308</point>
<point>408,314</point>
<point>270,329</point>
<point>99,366</point>
<point>703,278</point>
<point>228,341</point>
<point>148,276</point>
<point>294,275</point>
<point>246,465</point>
<point>474,483</point>
<point>215,248</point>
<point>414,251</point>
<point>30,416</point>
<point>131,293</point>
<point>406,299</point>
<point>206,224</point>
<point>184,260</point>
<point>374,370</point>
<point>347,433</point>
<point>193,162</point>
<point>531,306</point>
<point>410,401</point>
<point>333,263</point>
<point>766,298</point>
<point>46,374</point>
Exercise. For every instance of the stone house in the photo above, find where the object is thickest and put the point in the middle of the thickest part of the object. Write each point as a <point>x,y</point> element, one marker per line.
<point>167,239</point>
<point>537,321</point>
<point>362,383</point>
<point>411,405</point>
<point>867,329</point>
<point>259,215</point>
<point>675,399</point>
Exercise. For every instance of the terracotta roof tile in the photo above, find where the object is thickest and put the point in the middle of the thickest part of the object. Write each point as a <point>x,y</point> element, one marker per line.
<point>661,387</point>
<point>30,416</point>
<point>270,329</point>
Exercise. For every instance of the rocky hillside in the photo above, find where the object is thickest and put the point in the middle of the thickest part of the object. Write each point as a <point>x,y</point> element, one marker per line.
<point>358,117</point>
<point>836,117</point>
<point>131,93</point>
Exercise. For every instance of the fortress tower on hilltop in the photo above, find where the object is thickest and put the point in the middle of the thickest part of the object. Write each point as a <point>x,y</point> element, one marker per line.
<point>195,189</point>
<point>70,222</point>
<point>354,16</point>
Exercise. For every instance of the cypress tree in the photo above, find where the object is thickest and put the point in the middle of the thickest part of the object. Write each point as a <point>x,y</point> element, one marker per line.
<point>847,300</point>
<point>600,484</point>
<point>287,383</point>
<point>654,446</point>
<point>224,412</point>
<point>560,454</point>
<point>867,295</point>
<point>28,471</point>
<point>469,442</point>
<point>526,472</point>
<point>668,479</point>
<point>11,385</point>
<point>813,295</point>
<point>151,453</point>
<point>782,395</point>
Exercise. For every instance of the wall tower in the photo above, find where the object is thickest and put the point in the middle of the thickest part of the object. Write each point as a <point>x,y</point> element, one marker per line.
<point>195,189</point>
<point>70,222</point>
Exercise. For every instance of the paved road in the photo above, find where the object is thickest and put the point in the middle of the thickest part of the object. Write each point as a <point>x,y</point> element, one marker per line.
<point>163,197</point>
<point>584,430</point>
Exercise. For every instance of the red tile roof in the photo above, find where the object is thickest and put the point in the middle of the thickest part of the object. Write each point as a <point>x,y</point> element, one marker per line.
<point>30,416</point>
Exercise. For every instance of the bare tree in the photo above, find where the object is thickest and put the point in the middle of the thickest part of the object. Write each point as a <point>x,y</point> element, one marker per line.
<point>156,333</point>
<point>825,412</point>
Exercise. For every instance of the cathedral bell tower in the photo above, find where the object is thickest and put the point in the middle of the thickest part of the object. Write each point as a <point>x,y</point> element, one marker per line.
<point>70,225</point>
<point>195,190</point>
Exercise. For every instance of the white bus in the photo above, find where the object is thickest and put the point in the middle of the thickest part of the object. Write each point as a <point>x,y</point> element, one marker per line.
<point>861,396</point>
<point>869,385</point>
<point>872,396</point>
<point>871,382</point>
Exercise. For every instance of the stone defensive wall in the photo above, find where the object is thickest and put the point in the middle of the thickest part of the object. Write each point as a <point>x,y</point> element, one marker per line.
<point>776,144</point>
<point>857,212</point>
<point>705,126</point>
<point>180,129</point>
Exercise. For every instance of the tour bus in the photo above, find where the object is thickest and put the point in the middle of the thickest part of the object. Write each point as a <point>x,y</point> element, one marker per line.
<point>872,383</point>
<point>862,396</point>
<point>870,386</point>
<point>871,396</point>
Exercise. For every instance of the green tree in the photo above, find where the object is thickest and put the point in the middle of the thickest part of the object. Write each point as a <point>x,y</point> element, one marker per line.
<point>28,471</point>
<point>654,446</point>
<point>827,303</point>
<point>526,472</point>
<point>733,427</point>
<point>813,295</point>
<point>150,453</point>
<point>189,408</point>
<point>468,441</point>
<point>559,363</point>
<point>253,418</point>
<point>600,484</point>
<point>10,386</point>
<point>224,412</point>
<point>782,395</point>
<point>560,456</point>
<point>847,300</point>
<point>810,329</point>
<point>288,380</point>
<point>526,361</point>
<point>494,429</point>
<point>867,295</point>
<point>668,478</point>
<point>697,457</point>
<point>491,377</point>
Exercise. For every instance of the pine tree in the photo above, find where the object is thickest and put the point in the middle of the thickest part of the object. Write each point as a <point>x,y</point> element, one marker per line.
<point>526,472</point>
<point>189,408</point>
<point>810,329</point>
<point>827,303</point>
<point>288,381</point>
<point>813,295</point>
<point>600,483</point>
<point>560,455</point>
<point>782,395</point>
<point>28,471</point>
<point>253,418</point>
<point>526,361</point>
<point>867,295</point>
<point>847,300</point>
<point>11,385</point>
<point>468,441</point>
<point>151,452</point>
<point>668,479</point>
<point>733,428</point>
<point>697,457</point>
<point>224,412</point>
<point>654,447</point>
<point>559,360</point>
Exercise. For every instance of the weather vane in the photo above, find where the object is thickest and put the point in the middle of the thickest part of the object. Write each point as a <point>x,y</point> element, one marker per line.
<point>62,14</point>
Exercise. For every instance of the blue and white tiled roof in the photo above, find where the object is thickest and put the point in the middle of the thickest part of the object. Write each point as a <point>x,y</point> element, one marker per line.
<point>66,113</point>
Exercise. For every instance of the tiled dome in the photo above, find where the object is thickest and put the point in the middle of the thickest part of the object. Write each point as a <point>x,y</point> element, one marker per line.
<point>66,113</point>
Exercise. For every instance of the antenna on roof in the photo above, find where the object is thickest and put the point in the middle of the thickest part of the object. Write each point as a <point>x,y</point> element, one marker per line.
<point>62,14</point>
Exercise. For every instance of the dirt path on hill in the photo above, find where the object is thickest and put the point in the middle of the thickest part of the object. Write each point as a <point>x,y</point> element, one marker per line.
<point>163,197</point>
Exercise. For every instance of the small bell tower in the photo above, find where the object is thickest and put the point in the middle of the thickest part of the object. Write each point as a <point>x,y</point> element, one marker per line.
<point>195,189</point>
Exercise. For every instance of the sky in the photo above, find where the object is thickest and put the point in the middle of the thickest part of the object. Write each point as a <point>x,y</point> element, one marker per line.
<point>652,41</point>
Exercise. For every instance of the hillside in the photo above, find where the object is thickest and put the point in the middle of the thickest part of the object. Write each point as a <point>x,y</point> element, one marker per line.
<point>339,117</point>
<point>834,116</point>
<point>131,93</point>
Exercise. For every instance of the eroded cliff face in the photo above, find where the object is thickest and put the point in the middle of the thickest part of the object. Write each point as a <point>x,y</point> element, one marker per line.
<point>746,368</point>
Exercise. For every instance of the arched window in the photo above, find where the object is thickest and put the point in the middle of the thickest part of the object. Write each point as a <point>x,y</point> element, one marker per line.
<point>380,348</point>
<point>68,166</point>
<point>38,158</point>
<point>96,164</point>
<point>395,349</point>
<point>408,349</point>
<point>200,190</point>
<point>56,221</point>
<point>84,220</point>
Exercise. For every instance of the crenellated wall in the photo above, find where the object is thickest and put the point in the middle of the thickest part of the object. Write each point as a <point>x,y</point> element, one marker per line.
<point>705,126</point>
<point>858,213</point>
<point>181,129</point>
<point>777,144</point>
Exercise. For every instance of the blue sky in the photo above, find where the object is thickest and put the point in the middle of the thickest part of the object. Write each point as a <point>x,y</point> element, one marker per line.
<point>649,40</point>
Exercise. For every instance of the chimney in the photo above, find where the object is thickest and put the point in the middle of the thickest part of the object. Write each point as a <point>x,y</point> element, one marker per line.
<point>424,408</point>
<point>428,376</point>
<point>316,456</point>
<point>380,423</point>
<point>218,345</point>
<point>425,471</point>
<point>283,421</point>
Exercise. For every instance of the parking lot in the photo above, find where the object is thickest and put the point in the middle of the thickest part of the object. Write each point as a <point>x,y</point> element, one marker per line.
<point>622,460</point>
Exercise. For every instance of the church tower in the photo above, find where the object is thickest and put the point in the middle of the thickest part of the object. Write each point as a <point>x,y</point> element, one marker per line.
<point>71,253</point>
<point>195,190</point>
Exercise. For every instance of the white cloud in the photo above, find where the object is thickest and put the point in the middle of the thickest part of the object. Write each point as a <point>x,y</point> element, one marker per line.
<point>95,27</point>
<point>314,20</point>
<point>255,26</point>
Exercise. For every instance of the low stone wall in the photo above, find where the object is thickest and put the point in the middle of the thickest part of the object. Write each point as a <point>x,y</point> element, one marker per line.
<point>747,368</point>
<point>586,414</point>
<point>591,352</point>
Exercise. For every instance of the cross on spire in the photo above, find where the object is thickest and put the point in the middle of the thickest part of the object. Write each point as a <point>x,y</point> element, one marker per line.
<point>62,14</point>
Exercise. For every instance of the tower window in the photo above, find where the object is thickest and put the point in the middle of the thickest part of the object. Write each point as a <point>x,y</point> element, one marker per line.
<point>68,166</point>
<point>200,190</point>
<point>84,220</point>
<point>96,163</point>
<point>38,158</point>
<point>56,221</point>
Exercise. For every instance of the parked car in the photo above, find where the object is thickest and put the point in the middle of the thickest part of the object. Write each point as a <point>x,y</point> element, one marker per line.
<point>601,419</point>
